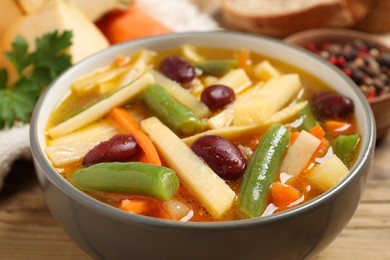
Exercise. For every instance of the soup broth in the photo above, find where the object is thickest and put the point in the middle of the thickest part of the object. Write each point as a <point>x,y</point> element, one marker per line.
<point>318,141</point>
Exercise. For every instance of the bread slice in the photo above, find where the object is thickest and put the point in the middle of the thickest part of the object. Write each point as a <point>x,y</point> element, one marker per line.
<point>280,18</point>
<point>378,20</point>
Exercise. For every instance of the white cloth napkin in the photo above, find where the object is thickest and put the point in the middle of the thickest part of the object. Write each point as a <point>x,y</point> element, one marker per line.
<point>180,15</point>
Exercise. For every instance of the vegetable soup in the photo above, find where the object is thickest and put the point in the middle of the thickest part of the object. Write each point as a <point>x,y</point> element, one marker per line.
<point>201,134</point>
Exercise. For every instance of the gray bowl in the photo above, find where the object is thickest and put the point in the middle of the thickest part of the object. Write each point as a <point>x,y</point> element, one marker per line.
<point>105,232</point>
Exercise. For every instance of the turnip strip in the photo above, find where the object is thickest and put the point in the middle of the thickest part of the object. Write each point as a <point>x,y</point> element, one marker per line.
<point>212,192</point>
<point>137,67</point>
<point>189,53</point>
<point>222,119</point>
<point>299,154</point>
<point>94,129</point>
<point>273,96</point>
<point>99,77</point>
<point>236,79</point>
<point>102,107</point>
<point>66,153</point>
<point>181,95</point>
<point>329,173</point>
<point>232,132</point>
<point>265,71</point>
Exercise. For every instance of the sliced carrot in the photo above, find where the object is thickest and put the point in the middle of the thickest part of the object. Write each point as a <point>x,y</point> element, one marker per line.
<point>128,123</point>
<point>119,26</point>
<point>121,60</point>
<point>318,131</point>
<point>243,58</point>
<point>283,194</point>
<point>144,158</point>
<point>161,213</point>
<point>322,148</point>
<point>294,137</point>
<point>337,128</point>
<point>137,206</point>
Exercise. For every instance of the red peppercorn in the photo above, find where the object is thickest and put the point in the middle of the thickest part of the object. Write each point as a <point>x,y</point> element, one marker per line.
<point>370,94</point>
<point>348,72</point>
<point>333,60</point>
<point>362,61</point>
<point>311,47</point>
<point>341,61</point>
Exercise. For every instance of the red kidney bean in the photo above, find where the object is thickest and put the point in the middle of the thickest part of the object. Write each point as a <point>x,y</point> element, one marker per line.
<point>332,106</point>
<point>120,148</point>
<point>217,96</point>
<point>177,69</point>
<point>222,156</point>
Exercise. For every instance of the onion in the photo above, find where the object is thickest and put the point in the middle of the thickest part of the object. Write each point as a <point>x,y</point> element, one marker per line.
<point>178,210</point>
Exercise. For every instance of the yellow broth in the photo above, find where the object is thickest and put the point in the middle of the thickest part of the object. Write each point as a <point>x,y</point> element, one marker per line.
<point>74,102</point>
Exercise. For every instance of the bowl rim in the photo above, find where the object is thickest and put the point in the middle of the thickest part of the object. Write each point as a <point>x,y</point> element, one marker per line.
<point>343,32</point>
<point>112,212</point>
<point>348,34</point>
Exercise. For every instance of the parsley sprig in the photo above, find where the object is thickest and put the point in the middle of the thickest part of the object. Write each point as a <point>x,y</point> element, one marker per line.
<point>35,70</point>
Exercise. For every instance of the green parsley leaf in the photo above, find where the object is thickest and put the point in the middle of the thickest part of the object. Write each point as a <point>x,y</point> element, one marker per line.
<point>50,58</point>
<point>15,106</point>
<point>3,79</point>
<point>19,56</point>
<point>36,70</point>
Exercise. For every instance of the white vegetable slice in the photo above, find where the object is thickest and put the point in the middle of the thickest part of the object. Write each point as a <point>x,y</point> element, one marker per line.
<point>231,132</point>
<point>66,153</point>
<point>178,210</point>
<point>286,113</point>
<point>88,82</point>
<point>181,95</point>
<point>214,194</point>
<point>236,79</point>
<point>299,154</point>
<point>189,52</point>
<point>265,71</point>
<point>95,129</point>
<point>138,67</point>
<point>102,107</point>
<point>222,119</point>
<point>196,87</point>
<point>329,173</point>
<point>209,80</point>
<point>274,95</point>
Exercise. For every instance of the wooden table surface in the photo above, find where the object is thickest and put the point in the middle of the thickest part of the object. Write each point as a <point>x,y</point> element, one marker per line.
<point>28,231</point>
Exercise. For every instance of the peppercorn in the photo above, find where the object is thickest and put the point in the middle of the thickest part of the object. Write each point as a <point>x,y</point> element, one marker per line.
<point>360,60</point>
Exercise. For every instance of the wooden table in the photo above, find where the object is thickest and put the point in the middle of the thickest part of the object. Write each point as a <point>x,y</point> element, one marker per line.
<point>28,231</point>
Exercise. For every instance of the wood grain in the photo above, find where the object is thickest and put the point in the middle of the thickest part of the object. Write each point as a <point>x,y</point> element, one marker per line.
<point>28,231</point>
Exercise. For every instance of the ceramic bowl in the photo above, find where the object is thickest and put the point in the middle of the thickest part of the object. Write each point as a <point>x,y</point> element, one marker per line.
<point>380,105</point>
<point>105,232</point>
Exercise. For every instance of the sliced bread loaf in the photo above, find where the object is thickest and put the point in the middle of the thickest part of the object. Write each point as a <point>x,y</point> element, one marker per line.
<point>283,17</point>
<point>378,20</point>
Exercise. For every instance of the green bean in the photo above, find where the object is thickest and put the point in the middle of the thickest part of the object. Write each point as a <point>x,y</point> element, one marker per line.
<point>345,147</point>
<point>129,177</point>
<point>309,120</point>
<point>216,67</point>
<point>262,169</point>
<point>176,116</point>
